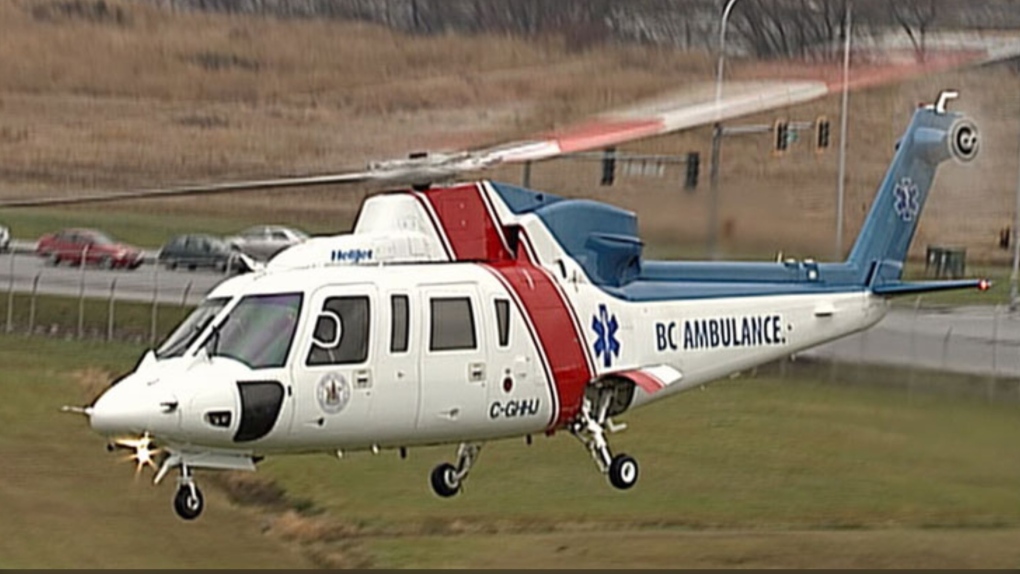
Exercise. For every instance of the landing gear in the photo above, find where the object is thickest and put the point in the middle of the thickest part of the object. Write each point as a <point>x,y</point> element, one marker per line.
<point>446,478</point>
<point>188,502</point>
<point>590,428</point>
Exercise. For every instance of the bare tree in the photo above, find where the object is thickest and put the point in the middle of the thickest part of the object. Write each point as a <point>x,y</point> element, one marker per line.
<point>790,28</point>
<point>915,17</point>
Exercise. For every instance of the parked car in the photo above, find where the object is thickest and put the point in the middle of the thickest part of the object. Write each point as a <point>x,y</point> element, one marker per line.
<point>196,250</point>
<point>265,241</point>
<point>97,248</point>
<point>5,238</point>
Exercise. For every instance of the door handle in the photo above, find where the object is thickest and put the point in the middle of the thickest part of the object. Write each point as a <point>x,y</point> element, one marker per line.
<point>476,372</point>
<point>362,379</point>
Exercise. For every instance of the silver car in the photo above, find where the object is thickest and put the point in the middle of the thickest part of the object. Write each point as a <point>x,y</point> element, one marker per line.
<point>264,241</point>
<point>5,238</point>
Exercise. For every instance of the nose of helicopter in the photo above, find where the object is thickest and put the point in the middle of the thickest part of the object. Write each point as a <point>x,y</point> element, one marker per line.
<point>127,408</point>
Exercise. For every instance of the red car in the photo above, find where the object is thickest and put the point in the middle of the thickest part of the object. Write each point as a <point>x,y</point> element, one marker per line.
<point>71,244</point>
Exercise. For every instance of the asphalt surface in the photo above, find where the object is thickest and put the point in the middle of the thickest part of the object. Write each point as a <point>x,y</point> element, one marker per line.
<point>25,272</point>
<point>977,339</point>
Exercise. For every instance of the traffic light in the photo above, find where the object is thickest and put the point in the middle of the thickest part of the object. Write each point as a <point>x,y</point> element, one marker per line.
<point>821,133</point>
<point>693,159</point>
<point>782,132</point>
<point>609,166</point>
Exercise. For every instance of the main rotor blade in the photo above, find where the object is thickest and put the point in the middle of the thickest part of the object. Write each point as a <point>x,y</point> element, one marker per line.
<point>204,189</point>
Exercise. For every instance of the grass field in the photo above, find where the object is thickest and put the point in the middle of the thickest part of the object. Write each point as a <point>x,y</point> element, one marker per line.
<point>750,472</point>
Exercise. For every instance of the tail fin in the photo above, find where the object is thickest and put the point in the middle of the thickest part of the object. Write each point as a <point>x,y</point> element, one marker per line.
<point>933,136</point>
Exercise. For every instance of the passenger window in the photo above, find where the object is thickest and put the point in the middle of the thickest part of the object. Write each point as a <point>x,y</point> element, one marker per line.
<point>399,320</point>
<point>341,332</point>
<point>503,321</point>
<point>453,325</point>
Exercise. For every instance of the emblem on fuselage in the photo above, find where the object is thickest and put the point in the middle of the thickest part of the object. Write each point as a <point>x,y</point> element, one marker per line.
<point>606,344</point>
<point>333,393</point>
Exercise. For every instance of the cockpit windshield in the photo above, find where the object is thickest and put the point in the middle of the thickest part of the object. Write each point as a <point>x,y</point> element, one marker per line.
<point>258,331</point>
<point>185,334</point>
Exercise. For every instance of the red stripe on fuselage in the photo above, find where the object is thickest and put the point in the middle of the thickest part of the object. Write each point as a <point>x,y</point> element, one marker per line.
<point>557,335</point>
<point>475,235</point>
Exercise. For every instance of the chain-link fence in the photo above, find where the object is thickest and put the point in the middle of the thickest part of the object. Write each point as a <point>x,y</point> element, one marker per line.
<point>83,301</point>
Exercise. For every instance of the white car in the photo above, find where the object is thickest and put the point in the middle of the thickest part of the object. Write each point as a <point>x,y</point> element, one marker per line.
<point>265,241</point>
<point>5,238</point>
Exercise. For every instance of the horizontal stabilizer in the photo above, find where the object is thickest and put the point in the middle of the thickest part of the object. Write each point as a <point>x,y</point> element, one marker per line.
<point>913,287</point>
<point>653,378</point>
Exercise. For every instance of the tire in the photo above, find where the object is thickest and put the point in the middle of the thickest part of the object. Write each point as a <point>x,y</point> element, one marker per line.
<point>53,259</point>
<point>623,472</point>
<point>187,506</point>
<point>444,481</point>
<point>106,263</point>
<point>171,265</point>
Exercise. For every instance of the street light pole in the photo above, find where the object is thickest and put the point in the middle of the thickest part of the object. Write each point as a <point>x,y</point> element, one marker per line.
<point>722,50</point>
<point>713,218</point>
<point>841,185</point>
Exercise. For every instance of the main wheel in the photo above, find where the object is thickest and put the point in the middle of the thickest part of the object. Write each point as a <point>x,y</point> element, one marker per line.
<point>444,480</point>
<point>188,506</point>
<point>623,471</point>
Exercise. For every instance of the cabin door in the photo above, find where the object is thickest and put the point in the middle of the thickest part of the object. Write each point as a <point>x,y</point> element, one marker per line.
<point>333,369</point>
<point>454,368</point>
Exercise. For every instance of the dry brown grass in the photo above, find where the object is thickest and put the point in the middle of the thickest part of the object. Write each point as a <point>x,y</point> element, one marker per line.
<point>93,381</point>
<point>165,98</point>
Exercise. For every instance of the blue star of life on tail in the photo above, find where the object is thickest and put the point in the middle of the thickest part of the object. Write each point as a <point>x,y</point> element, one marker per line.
<point>606,345</point>
<point>907,199</point>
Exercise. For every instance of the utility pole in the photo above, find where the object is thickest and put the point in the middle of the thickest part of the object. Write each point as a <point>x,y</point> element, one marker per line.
<point>1016,244</point>
<point>713,181</point>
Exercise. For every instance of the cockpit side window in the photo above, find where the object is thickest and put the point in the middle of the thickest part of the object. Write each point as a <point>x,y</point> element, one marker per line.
<point>341,332</point>
<point>259,330</point>
<point>185,334</point>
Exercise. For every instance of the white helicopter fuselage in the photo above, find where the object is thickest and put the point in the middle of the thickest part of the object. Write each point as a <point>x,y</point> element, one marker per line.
<point>447,352</point>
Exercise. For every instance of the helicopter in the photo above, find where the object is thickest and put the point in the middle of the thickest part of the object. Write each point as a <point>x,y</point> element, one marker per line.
<point>467,312</point>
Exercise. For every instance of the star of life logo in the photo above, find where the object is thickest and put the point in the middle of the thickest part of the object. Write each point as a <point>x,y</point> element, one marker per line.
<point>908,199</point>
<point>606,345</point>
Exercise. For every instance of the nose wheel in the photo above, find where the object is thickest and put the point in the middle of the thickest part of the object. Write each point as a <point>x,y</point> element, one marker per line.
<point>188,501</point>
<point>590,428</point>
<point>446,479</point>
